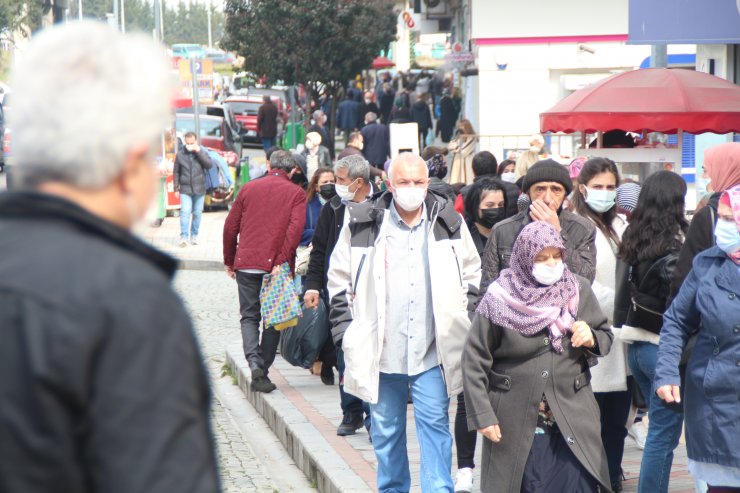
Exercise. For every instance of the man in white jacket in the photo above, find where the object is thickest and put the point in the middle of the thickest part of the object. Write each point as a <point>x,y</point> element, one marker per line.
<point>403,279</point>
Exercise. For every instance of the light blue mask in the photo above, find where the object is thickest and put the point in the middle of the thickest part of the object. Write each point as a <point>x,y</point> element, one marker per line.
<point>727,236</point>
<point>600,200</point>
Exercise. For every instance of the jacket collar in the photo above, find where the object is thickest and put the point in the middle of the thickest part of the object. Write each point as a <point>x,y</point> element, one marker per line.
<point>43,207</point>
<point>436,205</point>
<point>278,172</point>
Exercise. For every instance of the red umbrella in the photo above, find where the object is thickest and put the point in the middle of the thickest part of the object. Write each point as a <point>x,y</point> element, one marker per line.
<point>382,62</point>
<point>656,99</point>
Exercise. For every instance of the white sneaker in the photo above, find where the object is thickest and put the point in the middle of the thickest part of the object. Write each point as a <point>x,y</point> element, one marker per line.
<point>464,480</point>
<point>638,432</point>
<point>183,243</point>
<point>194,240</point>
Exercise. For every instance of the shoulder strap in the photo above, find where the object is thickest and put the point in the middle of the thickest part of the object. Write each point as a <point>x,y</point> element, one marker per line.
<point>714,223</point>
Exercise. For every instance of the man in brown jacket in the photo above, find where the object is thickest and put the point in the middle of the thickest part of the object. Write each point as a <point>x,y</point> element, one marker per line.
<point>267,122</point>
<point>547,183</point>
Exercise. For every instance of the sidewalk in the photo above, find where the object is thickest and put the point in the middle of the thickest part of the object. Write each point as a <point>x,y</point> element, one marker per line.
<point>304,414</point>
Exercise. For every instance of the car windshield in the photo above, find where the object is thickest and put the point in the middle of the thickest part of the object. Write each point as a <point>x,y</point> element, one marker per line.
<point>208,128</point>
<point>244,108</point>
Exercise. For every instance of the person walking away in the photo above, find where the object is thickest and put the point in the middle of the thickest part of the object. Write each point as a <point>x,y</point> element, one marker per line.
<point>319,126</point>
<point>485,206</point>
<point>461,153</point>
<point>449,113</point>
<point>354,187</point>
<point>377,143</point>
<point>261,232</point>
<point>649,249</point>
<point>267,122</point>
<point>347,116</point>
<point>191,162</point>
<point>103,384</point>
<point>525,366</point>
<point>316,155</point>
<point>708,305</point>
<point>422,115</point>
<point>546,184</point>
<point>368,105</point>
<point>405,263</point>
<point>386,103</point>
<point>594,198</point>
<point>355,146</point>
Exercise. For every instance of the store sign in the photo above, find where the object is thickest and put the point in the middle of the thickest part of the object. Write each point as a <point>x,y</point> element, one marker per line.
<point>204,74</point>
<point>459,54</point>
<point>684,21</point>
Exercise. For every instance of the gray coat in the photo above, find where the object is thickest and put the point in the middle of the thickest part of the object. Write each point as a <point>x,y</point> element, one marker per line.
<point>505,375</point>
<point>577,232</point>
<point>190,178</point>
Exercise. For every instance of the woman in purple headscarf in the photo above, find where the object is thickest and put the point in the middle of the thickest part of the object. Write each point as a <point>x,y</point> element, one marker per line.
<point>526,373</point>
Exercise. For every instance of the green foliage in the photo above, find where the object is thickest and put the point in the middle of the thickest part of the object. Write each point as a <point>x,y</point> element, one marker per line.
<point>15,14</point>
<point>302,41</point>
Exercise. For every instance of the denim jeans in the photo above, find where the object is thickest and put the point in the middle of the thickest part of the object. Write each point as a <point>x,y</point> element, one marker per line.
<point>267,143</point>
<point>350,404</point>
<point>388,432</point>
<point>190,205</point>
<point>665,426</point>
<point>615,409</point>
<point>259,353</point>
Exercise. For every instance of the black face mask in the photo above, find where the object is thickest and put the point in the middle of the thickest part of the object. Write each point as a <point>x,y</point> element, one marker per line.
<point>489,217</point>
<point>327,191</point>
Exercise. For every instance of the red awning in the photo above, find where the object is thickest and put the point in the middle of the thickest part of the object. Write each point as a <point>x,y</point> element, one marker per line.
<point>382,62</point>
<point>655,99</point>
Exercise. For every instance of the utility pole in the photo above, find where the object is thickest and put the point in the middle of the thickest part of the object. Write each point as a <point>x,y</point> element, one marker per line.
<point>659,56</point>
<point>115,14</point>
<point>79,9</point>
<point>210,31</point>
<point>123,16</point>
<point>158,28</point>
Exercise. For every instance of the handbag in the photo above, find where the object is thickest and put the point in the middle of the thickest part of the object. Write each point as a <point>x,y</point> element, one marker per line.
<point>302,257</point>
<point>300,345</point>
<point>279,305</point>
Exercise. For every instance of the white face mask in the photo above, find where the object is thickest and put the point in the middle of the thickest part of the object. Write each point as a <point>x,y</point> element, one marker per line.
<point>546,275</point>
<point>409,198</point>
<point>509,177</point>
<point>600,200</point>
<point>344,193</point>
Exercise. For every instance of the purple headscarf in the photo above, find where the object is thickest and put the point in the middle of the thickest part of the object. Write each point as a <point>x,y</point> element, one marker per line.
<point>516,301</point>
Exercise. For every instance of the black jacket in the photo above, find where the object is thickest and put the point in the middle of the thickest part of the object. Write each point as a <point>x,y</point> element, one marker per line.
<point>102,384</point>
<point>324,239</point>
<point>377,147</point>
<point>190,178</point>
<point>421,114</point>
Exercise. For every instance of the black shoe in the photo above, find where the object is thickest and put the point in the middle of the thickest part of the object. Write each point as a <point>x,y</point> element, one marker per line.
<point>350,424</point>
<point>260,382</point>
<point>617,487</point>
<point>327,375</point>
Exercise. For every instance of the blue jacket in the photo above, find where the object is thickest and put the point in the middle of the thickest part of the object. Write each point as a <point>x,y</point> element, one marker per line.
<point>348,114</point>
<point>709,301</point>
<point>313,209</point>
<point>377,146</point>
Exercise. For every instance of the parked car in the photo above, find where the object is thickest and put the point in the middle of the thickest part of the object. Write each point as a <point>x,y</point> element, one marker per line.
<point>220,56</point>
<point>214,134</point>
<point>188,51</point>
<point>225,112</point>
<point>246,109</point>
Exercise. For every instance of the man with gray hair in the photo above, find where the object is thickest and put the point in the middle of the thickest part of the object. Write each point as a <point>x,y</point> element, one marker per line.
<point>377,141</point>
<point>103,385</point>
<point>319,126</point>
<point>352,175</point>
<point>402,281</point>
<point>262,232</point>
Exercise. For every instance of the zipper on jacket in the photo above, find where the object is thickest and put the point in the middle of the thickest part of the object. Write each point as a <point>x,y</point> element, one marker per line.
<point>457,263</point>
<point>636,305</point>
<point>359,271</point>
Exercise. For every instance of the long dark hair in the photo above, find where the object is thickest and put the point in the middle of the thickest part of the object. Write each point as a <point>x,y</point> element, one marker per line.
<point>659,222</point>
<point>603,220</point>
<point>311,190</point>
<point>475,193</point>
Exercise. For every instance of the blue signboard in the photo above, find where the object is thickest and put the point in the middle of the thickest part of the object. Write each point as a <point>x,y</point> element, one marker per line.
<point>684,21</point>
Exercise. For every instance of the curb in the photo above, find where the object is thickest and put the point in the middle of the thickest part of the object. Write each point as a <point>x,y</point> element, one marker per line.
<point>212,265</point>
<point>312,454</point>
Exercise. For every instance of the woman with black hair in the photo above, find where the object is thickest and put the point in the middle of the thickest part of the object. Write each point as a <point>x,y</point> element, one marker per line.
<point>485,206</point>
<point>594,198</point>
<point>649,248</point>
<point>507,171</point>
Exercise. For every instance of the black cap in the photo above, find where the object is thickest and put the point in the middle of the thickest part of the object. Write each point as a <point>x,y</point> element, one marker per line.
<point>547,170</point>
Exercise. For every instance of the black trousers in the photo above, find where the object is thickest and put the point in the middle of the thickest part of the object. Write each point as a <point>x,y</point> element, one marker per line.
<point>615,409</point>
<point>259,354</point>
<point>553,468</point>
<point>464,440</point>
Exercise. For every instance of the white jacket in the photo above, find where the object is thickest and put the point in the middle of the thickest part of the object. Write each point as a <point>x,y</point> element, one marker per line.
<point>357,291</point>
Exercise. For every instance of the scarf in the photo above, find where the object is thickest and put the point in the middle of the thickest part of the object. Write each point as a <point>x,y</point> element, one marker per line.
<point>722,164</point>
<point>732,198</point>
<point>516,301</point>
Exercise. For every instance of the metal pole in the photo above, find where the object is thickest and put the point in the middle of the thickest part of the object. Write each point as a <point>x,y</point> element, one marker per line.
<point>157,5</point>
<point>123,16</point>
<point>210,31</point>
<point>196,96</point>
<point>79,9</point>
<point>293,102</point>
<point>115,14</point>
<point>659,56</point>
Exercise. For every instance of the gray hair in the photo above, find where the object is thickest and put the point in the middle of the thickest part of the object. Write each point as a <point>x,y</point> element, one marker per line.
<point>67,74</point>
<point>317,114</point>
<point>357,167</point>
<point>282,160</point>
<point>370,117</point>
<point>405,159</point>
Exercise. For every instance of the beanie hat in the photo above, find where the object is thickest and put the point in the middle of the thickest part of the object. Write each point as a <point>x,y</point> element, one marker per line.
<point>547,170</point>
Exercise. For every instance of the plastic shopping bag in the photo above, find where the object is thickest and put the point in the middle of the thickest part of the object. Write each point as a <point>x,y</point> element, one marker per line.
<point>279,303</point>
<point>300,345</point>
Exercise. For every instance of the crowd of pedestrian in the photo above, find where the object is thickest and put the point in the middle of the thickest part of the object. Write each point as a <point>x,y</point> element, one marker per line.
<point>548,301</point>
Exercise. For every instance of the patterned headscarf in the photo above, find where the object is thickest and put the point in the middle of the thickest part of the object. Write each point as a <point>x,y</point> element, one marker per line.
<point>437,166</point>
<point>575,166</point>
<point>516,301</point>
<point>731,197</point>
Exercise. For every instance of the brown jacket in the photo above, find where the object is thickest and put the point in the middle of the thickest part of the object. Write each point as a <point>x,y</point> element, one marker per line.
<point>505,375</point>
<point>267,121</point>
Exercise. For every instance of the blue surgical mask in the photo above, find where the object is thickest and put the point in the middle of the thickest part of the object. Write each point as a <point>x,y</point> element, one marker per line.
<point>727,236</point>
<point>600,200</point>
